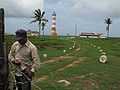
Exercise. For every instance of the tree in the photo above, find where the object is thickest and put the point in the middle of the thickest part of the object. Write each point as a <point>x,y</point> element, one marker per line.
<point>108,21</point>
<point>39,17</point>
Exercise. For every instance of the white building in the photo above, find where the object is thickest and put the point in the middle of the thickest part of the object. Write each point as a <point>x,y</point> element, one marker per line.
<point>32,33</point>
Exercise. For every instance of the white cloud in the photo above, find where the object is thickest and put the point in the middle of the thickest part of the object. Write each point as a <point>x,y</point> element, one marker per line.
<point>79,8</point>
<point>97,7</point>
<point>21,8</point>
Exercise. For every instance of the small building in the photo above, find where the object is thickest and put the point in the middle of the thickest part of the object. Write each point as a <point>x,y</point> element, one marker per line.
<point>32,33</point>
<point>90,34</point>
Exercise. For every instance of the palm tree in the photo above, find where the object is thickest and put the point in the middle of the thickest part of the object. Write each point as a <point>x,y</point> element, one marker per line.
<point>39,17</point>
<point>108,21</point>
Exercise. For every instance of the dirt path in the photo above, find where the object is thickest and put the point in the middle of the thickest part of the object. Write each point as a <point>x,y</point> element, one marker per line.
<point>55,59</point>
<point>42,78</point>
<point>60,58</point>
<point>74,63</point>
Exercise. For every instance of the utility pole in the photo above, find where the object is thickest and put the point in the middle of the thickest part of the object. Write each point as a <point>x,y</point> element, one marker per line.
<point>76,30</point>
<point>3,57</point>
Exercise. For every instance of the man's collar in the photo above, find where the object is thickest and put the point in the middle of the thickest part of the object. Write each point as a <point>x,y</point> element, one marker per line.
<point>26,44</point>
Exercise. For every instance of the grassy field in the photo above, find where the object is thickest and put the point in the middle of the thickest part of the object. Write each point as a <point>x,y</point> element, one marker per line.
<point>79,66</point>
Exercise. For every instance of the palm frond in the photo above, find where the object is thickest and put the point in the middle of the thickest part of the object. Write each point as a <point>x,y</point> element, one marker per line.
<point>34,21</point>
<point>34,17</point>
<point>108,21</point>
<point>44,19</point>
<point>43,13</point>
<point>38,12</point>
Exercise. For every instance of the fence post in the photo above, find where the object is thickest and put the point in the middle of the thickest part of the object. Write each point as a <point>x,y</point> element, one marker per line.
<point>3,55</point>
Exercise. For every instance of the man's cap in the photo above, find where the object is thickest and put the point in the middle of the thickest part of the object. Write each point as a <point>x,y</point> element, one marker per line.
<point>21,34</point>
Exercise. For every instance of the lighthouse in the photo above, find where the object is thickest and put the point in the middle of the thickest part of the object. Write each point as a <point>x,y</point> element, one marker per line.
<point>53,26</point>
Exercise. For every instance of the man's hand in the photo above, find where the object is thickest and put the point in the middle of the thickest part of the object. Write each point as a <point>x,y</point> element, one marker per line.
<point>28,72</point>
<point>17,62</point>
<point>33,72</point>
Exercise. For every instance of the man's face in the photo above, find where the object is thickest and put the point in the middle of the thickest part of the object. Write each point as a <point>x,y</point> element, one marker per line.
<point>22,41</point>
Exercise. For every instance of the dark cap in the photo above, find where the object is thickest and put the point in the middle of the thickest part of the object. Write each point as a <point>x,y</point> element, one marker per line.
<point>21,34</point>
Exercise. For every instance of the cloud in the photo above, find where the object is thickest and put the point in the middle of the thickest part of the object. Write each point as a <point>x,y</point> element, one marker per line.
<point>87,7</point>
<point>20,8</point>
<point>52,1</point>
<point>97,7</point>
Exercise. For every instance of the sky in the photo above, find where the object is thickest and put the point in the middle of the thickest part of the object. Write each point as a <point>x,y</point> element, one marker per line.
<point>18,14</point>
<point>88,15</point>
<point>20,8</point>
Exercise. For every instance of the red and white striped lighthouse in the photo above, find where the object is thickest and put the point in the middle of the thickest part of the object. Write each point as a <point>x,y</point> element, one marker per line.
<point>53,26</point>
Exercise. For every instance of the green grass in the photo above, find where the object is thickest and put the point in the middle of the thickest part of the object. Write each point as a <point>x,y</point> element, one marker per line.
<point>89,74</point>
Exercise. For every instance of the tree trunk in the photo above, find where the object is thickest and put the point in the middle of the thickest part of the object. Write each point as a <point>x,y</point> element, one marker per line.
<point>43,35</point>
<point>43,25</point>
<point>39,29</point>
<point>108,28</point>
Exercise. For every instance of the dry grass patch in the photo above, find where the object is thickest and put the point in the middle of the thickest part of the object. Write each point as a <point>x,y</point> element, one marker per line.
<point>90,84</point>
<point>42,78</point>
<point>56,59</point>
<point>74,63</point>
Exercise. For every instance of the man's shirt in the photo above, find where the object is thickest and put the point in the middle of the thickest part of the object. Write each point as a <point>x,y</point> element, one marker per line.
<point>27,53</point>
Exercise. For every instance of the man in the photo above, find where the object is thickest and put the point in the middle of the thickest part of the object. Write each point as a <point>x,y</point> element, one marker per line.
<point>24,56</point>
